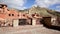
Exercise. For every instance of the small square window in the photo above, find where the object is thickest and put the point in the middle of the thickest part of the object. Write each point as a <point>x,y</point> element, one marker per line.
<point>9,14</point>
<point>18,15</point>
<point>12,14</point>
<point>33,15</point>
<point>23,14</point>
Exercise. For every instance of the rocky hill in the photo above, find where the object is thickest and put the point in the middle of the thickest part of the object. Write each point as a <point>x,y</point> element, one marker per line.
<point>41,11</point>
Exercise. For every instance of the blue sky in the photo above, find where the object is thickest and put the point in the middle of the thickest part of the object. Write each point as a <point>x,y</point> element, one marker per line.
<point>25,4</point>
<point>55,7</point>
<point>29,3</point>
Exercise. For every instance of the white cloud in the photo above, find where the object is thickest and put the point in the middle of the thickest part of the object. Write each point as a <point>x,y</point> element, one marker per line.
<point>18,7</point>
<point>46,3</point>
<point>14,3</point>
<point>58,7</point>
<point>58,10</point>
<point>21,8</point>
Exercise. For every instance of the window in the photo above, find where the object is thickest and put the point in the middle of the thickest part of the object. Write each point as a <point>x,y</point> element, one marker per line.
<point>33,15</point>
<point>18,14</point>
<point>12,14</point>
<point>23,14</point>
<point>9,14</point>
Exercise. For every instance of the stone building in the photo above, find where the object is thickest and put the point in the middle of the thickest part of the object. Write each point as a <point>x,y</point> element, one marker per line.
<point>32,16</point>
<point>15,18</point>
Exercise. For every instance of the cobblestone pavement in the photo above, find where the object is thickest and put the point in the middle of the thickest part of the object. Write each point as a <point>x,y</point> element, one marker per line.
<point>27,29</point>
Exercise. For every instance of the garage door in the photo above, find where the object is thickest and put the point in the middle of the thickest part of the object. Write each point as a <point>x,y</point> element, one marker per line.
<point>22,21</point>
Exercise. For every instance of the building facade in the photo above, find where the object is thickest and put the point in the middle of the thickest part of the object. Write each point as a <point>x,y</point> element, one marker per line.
<point>12,17</point>
<point>16,18</point>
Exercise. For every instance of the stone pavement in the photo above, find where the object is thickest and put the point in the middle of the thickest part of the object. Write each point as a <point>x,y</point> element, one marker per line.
<point>27,29</point>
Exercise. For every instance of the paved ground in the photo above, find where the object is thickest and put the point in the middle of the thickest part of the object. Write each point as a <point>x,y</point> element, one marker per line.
<point>28,29</point>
